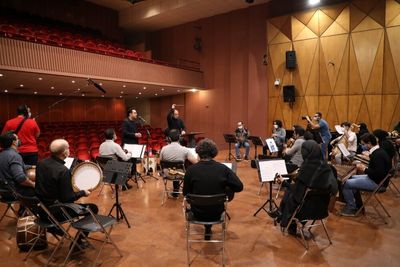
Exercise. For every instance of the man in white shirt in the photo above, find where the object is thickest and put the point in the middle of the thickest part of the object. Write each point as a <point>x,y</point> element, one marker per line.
<point>112,149</point>
<point>351,138</point>
<point>176,152</point>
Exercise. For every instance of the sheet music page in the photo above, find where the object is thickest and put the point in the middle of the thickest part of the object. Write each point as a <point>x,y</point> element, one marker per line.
<point>227,164</point>
<point>339,129</point>
<point>269,168</point>
<point>271,145</point>
<point>344,150</point>
<point>137,151</point>
<point>68,162</point>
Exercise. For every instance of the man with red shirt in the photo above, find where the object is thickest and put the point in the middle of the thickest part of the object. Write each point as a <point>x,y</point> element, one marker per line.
<point>28,131</point>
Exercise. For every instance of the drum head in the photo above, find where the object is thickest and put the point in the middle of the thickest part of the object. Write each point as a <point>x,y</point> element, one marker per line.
<point>86,176</point>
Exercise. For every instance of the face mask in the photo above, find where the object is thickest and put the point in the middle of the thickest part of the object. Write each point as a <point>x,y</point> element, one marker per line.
<point>275,126</point>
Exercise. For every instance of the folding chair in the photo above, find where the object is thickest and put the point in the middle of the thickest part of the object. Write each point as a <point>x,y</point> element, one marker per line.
<point>89,224</point>
<point>46,220</point>
<point>374,195</point>
<point>7,197</point>
<point>176,179</point>
<point>205,201</point>
<point>306,212</point>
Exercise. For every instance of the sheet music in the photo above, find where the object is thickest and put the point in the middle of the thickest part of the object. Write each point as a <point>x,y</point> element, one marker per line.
<point>230,165</point>
<point>269,168</point>
<point>68,162</point>
<point>137,151</point>
<point>344,150</point>
<point>339,129</point>
<point>271,145</point>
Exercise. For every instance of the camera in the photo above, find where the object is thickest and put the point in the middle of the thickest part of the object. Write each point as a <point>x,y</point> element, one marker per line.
<point>304,117</point>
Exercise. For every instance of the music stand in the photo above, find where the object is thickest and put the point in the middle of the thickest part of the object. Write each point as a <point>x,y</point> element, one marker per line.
<point>137,152</point>
<point>257,141</point>
<point>116,172</point>
<point>230,139</point>
<point>148,173</point>
<point>268,171</point>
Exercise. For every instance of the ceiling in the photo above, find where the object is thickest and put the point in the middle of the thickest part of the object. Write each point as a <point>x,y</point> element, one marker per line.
<point>151,15</point>
<point>17,82</point>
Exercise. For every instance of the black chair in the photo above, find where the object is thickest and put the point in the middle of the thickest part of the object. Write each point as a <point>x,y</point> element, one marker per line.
<point>374,195</point>
<point>7,197</point>
<point>171,171</point>
<point>205,201</point>
<point>313,207</point>
<point>88,224</point>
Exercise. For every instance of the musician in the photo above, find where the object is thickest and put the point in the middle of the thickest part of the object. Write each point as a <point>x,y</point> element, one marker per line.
<point>130,133</point>
<point>12,168</point>
<point>314,173</point>
<point>54,182</point>
<point>323,127</point>
<point>363,130</point>
<point>295,159</point>
<point>28,131</point>
<point>174,122</point>
<point>349,138</point>
<point>112,149</point>
<point>385,144</point>
<point>279,135</point>
<point>175,152</point>
<point>242,134</point>
<point>377,169</point>
<point>209,177</point>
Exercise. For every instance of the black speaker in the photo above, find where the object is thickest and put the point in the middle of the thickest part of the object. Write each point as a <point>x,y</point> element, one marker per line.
<point>291,59</point>
<point>289,94</point>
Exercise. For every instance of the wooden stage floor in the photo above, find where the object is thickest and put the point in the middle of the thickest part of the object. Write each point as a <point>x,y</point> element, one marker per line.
<point>157,236</point>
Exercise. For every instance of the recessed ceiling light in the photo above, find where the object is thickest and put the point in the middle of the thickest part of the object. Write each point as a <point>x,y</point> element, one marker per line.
<point>137,97</point>
<point>144,87</point>
<point>60,94</point>
<point>79,89</point>
<point>313,2</point>
<point>73,81</point>
<point>140,93</point>
<point>83,94</point>
<point>156,94</point>
<point>52,88</point>
<point>193,90</point>
<point>102,95</point>
<point>100,83</point>
<point>120,96</point>
<point>21,85</point>
<point>124,85</point>
<point>178,90</point>
<point>35,93</point>
<point>122,92</point>
<point>1,74</point>
<point>6,91</point>
<point>40,78</point>
<point>162,89</point>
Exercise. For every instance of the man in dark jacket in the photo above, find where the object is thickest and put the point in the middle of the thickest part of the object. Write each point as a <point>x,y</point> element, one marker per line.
<point>378,167</point>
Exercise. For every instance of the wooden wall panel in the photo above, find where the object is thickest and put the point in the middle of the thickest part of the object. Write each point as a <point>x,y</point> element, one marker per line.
<point>348,64</point>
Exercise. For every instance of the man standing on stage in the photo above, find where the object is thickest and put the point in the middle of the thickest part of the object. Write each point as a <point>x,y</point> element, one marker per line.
<point>28,131</point>
<point>323,127</point>
<point>174,122</point>
<point>130,134</point>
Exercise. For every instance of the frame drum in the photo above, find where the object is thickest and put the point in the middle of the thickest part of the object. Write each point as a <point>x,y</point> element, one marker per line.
<point>86,176</point>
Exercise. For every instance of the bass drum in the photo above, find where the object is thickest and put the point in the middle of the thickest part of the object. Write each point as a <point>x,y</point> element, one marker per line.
<point>27,231</point>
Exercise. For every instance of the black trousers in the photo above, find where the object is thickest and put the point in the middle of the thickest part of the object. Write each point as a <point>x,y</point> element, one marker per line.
<point>30,158</point>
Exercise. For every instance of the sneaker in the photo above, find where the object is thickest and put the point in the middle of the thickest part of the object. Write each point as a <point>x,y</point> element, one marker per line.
<point>348,212</point>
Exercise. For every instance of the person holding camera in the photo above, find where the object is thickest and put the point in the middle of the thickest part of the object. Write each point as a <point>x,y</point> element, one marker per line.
<point>323,127</point>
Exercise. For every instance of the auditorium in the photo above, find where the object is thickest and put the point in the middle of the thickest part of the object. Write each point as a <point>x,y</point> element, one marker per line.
<point>199,133</point>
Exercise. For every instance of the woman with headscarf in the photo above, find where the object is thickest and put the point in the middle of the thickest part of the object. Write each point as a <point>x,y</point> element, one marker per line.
<point>363,130</point>
<point>314,173</point>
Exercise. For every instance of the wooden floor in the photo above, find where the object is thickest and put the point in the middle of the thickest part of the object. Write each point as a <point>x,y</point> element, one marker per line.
<point>157,235</point>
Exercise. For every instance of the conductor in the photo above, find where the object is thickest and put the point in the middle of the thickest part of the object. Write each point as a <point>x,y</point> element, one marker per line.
<point>174,122</point>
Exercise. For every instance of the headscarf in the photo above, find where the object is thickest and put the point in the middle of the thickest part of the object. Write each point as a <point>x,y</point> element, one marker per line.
<point>311,151</point>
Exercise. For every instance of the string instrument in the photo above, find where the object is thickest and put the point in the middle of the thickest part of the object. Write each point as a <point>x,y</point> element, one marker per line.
<point>290,142</point>
<point>241,136</point>
<point>343,140</point>
<point>175,172</point>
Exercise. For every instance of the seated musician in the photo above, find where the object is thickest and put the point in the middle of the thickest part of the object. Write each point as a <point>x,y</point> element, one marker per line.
<point>293,153</point>
<point>377,169</point>
<point>363,129</point>
<point>209,177</point>
<point>112,149</point>
<point>12,168</point>
<point>54,183</point>
<point>242,134</point>
<point>350,138</point>
<point>176,152</point>
<point>279,135</point>
<point>314,173</point>
<point>384,143</point>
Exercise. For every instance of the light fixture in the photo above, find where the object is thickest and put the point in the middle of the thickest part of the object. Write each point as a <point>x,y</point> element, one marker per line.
<point>1,74</point>
<point>144,87</point>
<point>100,83</point>
<point>162,89</point>
<point>21,85</point>
<point>83,94</point>
<point>137,97</point>
<point>35,93</point>
<point>122,92</point>
<point>124,85</point>
<point>313,2</point>
<point>60,93</point>
<point>40,78</point>
<point>79,89</point>
<point>73,81</point>
<point>120,96</point>
<point>140,93</point>
<point>194,90</point>
<point>102,95</point>
<point>156,94</point>
<point>178,90</point>
<point>52,88</point>
<point>5,91</point>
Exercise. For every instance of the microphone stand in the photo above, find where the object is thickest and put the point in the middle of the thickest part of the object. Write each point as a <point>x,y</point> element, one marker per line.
<point>148,173</point>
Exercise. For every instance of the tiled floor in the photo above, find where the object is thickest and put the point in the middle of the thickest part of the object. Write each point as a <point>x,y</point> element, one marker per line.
<point>157,236</point>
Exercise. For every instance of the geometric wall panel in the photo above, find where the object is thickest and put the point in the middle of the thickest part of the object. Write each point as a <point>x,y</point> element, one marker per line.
<point>393,34</point>
<point>388,107</point>
<point>392,13</point>
<point>374,106</point>
<point>367,24</point>
<point>375,80</point>
<point>305,52</point>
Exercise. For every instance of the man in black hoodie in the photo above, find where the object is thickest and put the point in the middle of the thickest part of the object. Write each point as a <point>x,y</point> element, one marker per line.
<point>378,167</point>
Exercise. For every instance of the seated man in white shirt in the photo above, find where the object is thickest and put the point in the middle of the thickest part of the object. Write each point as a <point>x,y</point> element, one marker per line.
<point>175,152</point>
<point>111,149</point>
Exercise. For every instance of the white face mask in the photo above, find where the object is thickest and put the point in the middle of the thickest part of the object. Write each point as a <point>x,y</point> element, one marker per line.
<point>275,126</point>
